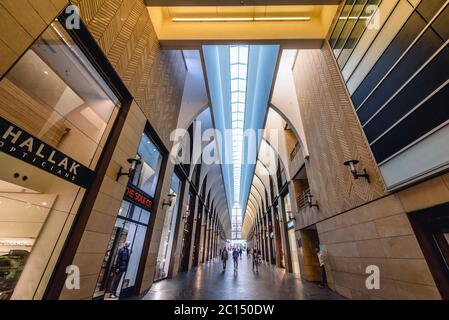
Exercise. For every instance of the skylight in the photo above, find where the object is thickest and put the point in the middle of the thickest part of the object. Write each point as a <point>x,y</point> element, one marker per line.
<point>239,94</point>
<point>239,76</point>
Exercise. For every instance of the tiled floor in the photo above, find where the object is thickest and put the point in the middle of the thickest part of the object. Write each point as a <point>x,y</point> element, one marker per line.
<point>209,282</point>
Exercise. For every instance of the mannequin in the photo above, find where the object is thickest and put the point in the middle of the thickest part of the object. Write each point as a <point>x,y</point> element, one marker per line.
<point>123,256</point>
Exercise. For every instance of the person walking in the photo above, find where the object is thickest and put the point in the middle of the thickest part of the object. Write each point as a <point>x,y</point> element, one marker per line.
<point>255,261</point>
<point>224,257</point>
<point>241,253</point>
<point>235,256</point>
<point>321,259</point>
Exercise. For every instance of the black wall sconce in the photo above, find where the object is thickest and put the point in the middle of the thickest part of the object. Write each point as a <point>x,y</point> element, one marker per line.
<point>134,163</point>
<point>309,201</point>
<point>169,202</point>
<point>352,165</point>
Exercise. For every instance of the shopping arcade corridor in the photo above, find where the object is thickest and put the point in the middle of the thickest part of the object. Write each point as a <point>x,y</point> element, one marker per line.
<point>210,282</point>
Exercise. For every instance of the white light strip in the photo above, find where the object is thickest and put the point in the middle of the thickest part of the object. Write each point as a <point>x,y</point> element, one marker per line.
<point>241,19</point>
<point>282,19</point>
<point>239,75</point>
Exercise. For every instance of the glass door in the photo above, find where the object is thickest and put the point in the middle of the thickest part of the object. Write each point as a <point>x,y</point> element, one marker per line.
<point>121,262</point>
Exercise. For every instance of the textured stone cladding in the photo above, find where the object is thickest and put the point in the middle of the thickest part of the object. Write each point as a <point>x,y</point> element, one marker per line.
<point>358,223</point>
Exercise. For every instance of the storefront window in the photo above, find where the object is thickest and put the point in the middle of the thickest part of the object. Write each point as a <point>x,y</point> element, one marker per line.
<point>168,231</point>
<point>55,115</point>
<point>55,94</point>
<point>121,262</point>
<point>147,174</point>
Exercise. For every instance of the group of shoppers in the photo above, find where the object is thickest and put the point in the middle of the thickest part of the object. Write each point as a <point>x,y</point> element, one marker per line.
<point>237,254</point>
<point>257,260</point>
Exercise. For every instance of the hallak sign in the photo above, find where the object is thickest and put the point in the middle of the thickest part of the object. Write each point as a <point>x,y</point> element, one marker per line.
<point>21,145</point>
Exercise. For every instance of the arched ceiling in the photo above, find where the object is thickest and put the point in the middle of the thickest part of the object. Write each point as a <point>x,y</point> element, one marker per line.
<point>211,172</point>
<point>266,166</point>
<point>198,94</point>
<point>195,99</point>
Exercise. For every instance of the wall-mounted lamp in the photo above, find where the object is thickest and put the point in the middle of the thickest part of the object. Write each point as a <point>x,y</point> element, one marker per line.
<point>352,166</point>
<point>309,201</point>
<point>186,214</point>
<point>134,163</point>
<point>169,202</point>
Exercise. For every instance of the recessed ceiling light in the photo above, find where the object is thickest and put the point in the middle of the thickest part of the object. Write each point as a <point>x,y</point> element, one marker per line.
<point>241,19</point>
<point>210,19</point>
<point>46,72</point>
<point>282,19</point>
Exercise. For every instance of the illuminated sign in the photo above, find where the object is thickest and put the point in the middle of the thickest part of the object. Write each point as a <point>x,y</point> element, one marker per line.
<point>139,198</point>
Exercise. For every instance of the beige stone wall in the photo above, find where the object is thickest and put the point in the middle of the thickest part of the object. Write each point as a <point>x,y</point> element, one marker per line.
<point>334,135</point>
<point>21,22</point>
<point>358,223</point>
<point>155,78</point>
<point>93,245</point>
<point>377,234</point>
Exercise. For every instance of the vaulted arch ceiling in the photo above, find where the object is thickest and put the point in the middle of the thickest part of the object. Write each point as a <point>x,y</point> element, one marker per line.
<point>252,203</point>
<point>194,99</point>
<point>255,193</point>
<point>258,185</point>
<point>266,166</point>
<point>210,173</point>
<point>285,100</point>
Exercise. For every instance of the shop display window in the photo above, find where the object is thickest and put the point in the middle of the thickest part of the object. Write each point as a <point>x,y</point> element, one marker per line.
<point>56,112</point>
<point>120,266</point>
<point>55,94</point>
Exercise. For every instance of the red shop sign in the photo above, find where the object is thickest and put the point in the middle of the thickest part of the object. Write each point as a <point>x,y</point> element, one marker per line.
<point>139,198</point>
